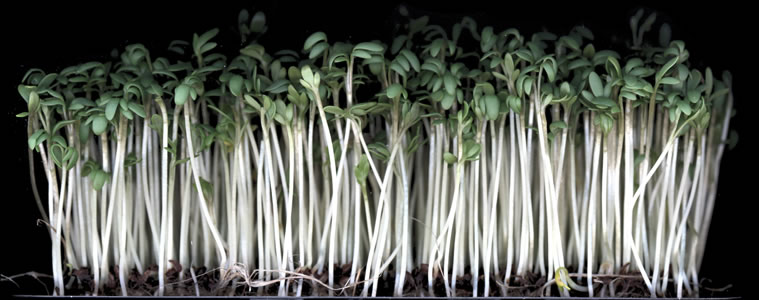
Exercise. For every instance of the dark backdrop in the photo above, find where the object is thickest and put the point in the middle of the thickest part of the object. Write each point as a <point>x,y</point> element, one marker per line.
<point>52,36</point>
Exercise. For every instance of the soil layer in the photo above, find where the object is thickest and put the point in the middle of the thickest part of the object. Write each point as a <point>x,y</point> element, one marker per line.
<point>208,283</point>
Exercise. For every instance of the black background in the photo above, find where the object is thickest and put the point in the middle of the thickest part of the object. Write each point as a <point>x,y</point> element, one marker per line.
<point>55,35</point>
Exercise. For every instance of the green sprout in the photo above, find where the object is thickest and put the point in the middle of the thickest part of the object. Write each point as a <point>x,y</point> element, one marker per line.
<point>513,154</point>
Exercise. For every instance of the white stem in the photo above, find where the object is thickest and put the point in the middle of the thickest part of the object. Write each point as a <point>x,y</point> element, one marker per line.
<point>202,200</point>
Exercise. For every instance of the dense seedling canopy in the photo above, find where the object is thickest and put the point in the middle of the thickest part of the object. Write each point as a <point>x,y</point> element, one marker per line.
<point>421,166</point>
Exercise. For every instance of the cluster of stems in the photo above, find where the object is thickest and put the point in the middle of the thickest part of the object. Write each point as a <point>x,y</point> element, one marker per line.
<point>470,150</point>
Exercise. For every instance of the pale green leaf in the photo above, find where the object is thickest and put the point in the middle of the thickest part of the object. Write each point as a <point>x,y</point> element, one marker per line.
<point>492,106</point>
<point>235,85</point>
<point>450,158</point>
<point>110,109</point>
<point>99,124</point>
<point>664,69</point>
<point>394,90</point>
<point>313,39</point>
<point>181,93</point>
<point>596,85</point>
<point>369,46</point>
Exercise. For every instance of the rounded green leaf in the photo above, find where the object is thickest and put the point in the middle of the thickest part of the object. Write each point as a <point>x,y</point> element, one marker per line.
<point>279,86</point>
<point>362,169</point>
<point>603,101</point>
<point>450,83</point>
<point>46,81</point>
<point>664,69</point>
<point>613,67</point>
<point>508,63</point>
<point>362,54</point>
<point>99,124</point>
<point>578,63</point>
<point>402,62</point>
<point>80,103</point>
<point>394,90</point>
<point>397,68</point>
<point>472,151</point>
<point>207,47</point>
<point>181,93</point>
<point>317,50</point>
<point>684,107</point>
<point>492,106</point>
<point>550,71</point>
<point>156,122</point>
<point>56,152</point>
<point>450,158</point>
<point>235,85</point>
<point>70,158</point>
<point>313,39</point>
<point>199,41</point>
<point>447,101</point>
<point>589,50</point>
<point>99,179</point>
<point>669,80</point>
<point>412,59</point>
<point>606,122</point>
<point>565,89</point>
<point>693,95</point>
<point>110,109</point>
<point>369,46</point>
<point>34,102</point>
<point>515,103</point>
<point>317,79</point>
<point>34,138</point>
<point>333,110</point>
<point>137,109</point>
<point>557,125</point>
<point>62,124</point>
<point>570,42</point>
<point>500,76</point>
<point>596,85</point>
<point>627,95</point>
<point>252,102</point>
<point>308,75</point>
<point>24,91</point>
<point>528,85</point>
